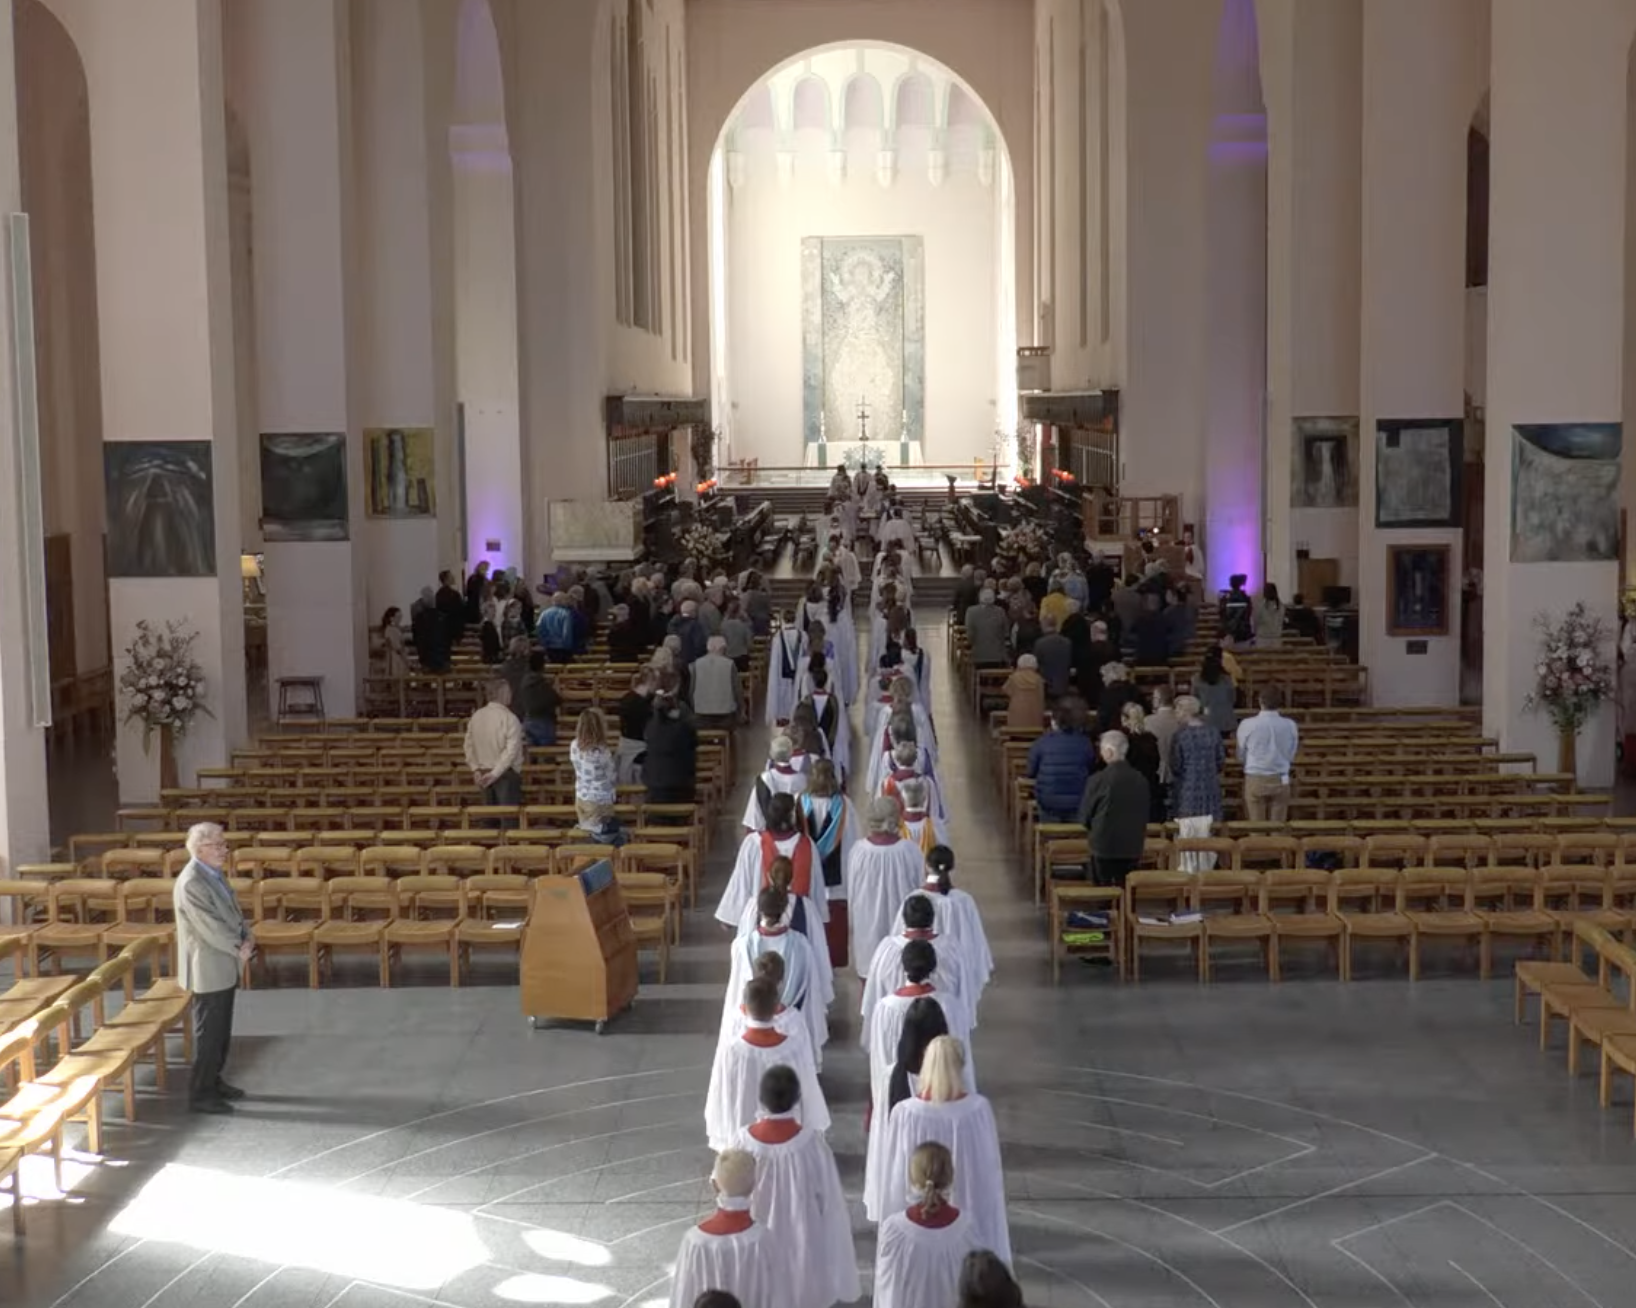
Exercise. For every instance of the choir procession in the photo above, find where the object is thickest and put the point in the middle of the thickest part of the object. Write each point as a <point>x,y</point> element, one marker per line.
<point>825,888</point>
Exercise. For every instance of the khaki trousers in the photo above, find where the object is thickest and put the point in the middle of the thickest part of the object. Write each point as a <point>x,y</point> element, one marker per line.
<point>1266,799</point>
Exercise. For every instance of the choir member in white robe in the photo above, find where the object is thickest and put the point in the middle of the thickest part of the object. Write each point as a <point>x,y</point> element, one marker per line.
<point>786,655</point>
<point>819,641</point>
<point>898,530</point>
<point>942,1110</point>
<point>809,983</point>
<point>730,1252</point>
<point>735,1076</point>
<point>919,1251</point>
<point>788,1020</point>
<point>846,561</point>
<point>886,968</point>
<point>907,760</point>
<point>899,699</point>
<point>958,919</point>
<point>830,714</point>
<point>755,856</point>
<point>882,871</point>
<point>920,826</point>
<point>917,666</point>
<point>781,777</point>
<point>798,1196</point>
<point>830,821</point>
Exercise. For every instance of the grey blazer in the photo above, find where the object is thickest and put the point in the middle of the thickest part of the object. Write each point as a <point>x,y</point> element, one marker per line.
<point>209,929</point>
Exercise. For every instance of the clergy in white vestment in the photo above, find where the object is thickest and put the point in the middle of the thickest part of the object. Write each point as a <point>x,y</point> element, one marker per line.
<point>730,1252</point>
<point>892,1038</point>
<point>782,836</point>
<point>821,652</point>
<point>882,870</point>
<point>830,714</point>
<point>942,1110</point>
<point>957,919</point>
<point>899,698</point>
<point>786,655</point>
<point>920,826</point>
<point>886,974</point>
<point>919,1251</point>
<point>846,560</point>
<point>830,821</point>
<point>735,1076</point>
<point>780,777</point>
<point>808,984</point>
<point>907,760</point>
<point>798,1196</point>
<point>898,530</point>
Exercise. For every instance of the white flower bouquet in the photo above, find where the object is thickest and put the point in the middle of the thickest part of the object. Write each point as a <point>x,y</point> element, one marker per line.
<point>162,684</point>
<point>699,542</point>
<point>1572,675</point>
<point>1026,543</point>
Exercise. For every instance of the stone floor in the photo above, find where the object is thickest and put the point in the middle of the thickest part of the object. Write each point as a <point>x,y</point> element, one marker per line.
<point>1238,1146</point>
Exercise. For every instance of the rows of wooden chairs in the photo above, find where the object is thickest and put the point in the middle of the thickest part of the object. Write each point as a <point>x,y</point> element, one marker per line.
<point>327,898</point>
<point>55,1076</point>
<point>1598,1008</point>
<point>1407,906</point>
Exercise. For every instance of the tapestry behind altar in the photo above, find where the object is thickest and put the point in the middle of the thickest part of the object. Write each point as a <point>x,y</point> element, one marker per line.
<point>863,337</point>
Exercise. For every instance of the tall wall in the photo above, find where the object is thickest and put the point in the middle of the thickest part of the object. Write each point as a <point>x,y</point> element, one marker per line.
<point>768,218</point>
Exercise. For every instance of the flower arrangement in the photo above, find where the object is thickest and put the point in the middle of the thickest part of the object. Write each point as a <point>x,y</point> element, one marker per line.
<point>1026,543</point>
<point>699,542</point>
<point>1572,675</point>
<point>863,458</point>
<point>162,684</point>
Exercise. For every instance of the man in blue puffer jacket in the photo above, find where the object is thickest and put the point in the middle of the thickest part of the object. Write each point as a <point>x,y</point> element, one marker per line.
<point>1060,763</point>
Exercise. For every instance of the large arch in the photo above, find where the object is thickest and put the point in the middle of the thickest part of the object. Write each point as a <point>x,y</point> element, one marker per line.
<point>732,45</point>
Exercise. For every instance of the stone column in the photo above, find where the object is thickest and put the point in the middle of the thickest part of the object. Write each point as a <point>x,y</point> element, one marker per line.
<point>1555,340</point>
<point>1424,69</point>
<point>25,825</point>
<point>293,59</point>
<point>164,302</point>
<point>1311,71</point>
<point>404,355</point>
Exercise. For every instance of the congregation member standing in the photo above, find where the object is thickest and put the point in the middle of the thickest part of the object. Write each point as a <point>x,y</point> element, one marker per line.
<point>212,946</point>
<point>987,633</point>
<point>670,762</point>
<point>596,771</point>
<point>538,702</point>
<point>1266,747</point>
<point>1115,812</point>
<point>1060,762</point>
<point>494,748</point>
<point>555,630</point>
<point>713,682</point>
<point>1196,759</point>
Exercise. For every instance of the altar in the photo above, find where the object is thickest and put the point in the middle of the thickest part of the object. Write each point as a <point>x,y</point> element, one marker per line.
<point>865,449</point>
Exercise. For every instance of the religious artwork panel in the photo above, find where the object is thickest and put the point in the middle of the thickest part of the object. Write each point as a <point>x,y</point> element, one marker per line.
<point>161,509</point>
<point>1565,492</point>
<point>1417,472</point>
<point>863,340</point>
<point>303,486</point>
<point>1417,581</point>
<point>1324,464</point>
<point>402,475</point>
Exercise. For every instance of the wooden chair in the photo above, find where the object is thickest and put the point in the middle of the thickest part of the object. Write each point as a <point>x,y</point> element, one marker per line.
<point>1468,851</point>
<point>521,860</point>
<point>1618,1055</point>
<point>1076,896</point>
<point>426,913</point>
<point>68,929</point>
<point>1510,903</point>
<point>147,912</point>
<point>1563,999</point>
<point>1170,891</point>
<point>570,860</point>
<point>496,910</point>
<point>391,861</point>
<point>327,860</point>
<point>668,861</point>
<point>118,863</point>
<point>1248,915</point>
<point>1298,903</point>
<point>457,860</point>
<point>1358,897</point>
<point>342,928</point>
<point>653,903</point>
<point>276,928</point>
<point>1438,903</point>
<point>1267,852</point>
<point>1394,850</point>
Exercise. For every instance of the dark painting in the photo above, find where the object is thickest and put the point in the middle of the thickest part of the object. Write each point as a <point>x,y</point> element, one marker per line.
<point>304,486</point>
<point>161,509</point>
<point>1417,579</point>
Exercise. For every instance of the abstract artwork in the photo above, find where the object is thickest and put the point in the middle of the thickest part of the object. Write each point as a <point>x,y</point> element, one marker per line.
<point>1417,585</point>
<point>1417,472</point>
<point>863,338</point>
<point>303,486</point>
<point>1565,492</point>
<point>161,509</point>
<point>402,475</point>
<point>1324,464</point>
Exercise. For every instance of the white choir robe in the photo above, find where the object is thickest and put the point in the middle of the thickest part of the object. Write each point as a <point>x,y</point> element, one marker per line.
<point>750,875</point>
<point>918,1266</point>
<point>779,779</point>
<point>887,779</point>
<point>917,666</point>
<point>734,1098</point>
<point>787,652</point>
<point>881,721</point>
<point>809,984</point>
<point>846,562</point>
<point>798,1198</point>
<point>880,1038</point>
<point>886,971</point>
<point>844,636</point>
<point>749,1264</point>
<point>787,1021</point>
<point>879,875</point>
<point>818,814</point>
<point>839,750</point>
<point>965,1127</point>
<point>958,919</point>
<point>923,829</point>
<point>902,587</point>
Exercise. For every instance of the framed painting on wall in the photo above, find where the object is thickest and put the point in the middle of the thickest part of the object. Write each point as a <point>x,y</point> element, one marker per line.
<point>1324,464</point>
<point>1417,472</point>
<point>1565,492</point>
<point>1417,590</point>
<point>303,486</point>
<point>402,474</point>
<point>161,509</point>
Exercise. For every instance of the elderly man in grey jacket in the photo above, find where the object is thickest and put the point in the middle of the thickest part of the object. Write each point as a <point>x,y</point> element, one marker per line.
<point>212,945</point>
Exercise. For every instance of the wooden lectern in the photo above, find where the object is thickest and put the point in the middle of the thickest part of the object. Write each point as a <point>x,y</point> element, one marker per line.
<point>578,952</point>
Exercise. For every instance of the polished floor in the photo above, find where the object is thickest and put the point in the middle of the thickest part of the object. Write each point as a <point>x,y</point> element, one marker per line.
<point>1309,1146</point>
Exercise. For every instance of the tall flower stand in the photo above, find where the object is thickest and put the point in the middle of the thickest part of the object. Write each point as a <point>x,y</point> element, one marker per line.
<point>167,759</point>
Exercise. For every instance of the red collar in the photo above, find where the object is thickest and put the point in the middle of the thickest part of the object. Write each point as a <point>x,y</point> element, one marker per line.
<point>763,1037</point>
<point>727,1221</point>
<point>915,933</point>
<point>783,769</point>
<point>882,838</point>
<point>775,1130</point>
<point>772,931</point>
<point>947,1215</point>
<point>913,992</point>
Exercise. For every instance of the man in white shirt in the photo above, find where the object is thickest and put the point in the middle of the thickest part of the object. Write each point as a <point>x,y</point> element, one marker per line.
<point>494,748</point>
<point>1266,746</point>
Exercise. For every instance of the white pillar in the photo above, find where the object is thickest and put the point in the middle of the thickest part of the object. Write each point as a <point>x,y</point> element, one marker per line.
<point>164,302</point>
<point>404,368</point>
<point>1424,69</point>
<point>1556,325</point>
<point>1311,70</point>
<point>294,58</point>
<point>25,824</point>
